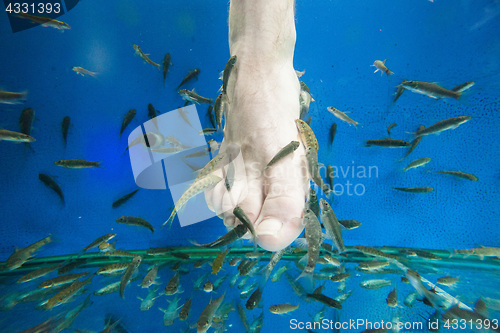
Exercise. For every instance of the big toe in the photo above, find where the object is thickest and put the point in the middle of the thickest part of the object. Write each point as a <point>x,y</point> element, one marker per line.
<point>280,222</point>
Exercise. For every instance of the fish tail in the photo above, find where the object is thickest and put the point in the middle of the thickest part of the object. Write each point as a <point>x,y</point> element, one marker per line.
<point>309,280</point>
<point>170,219</point>
<point>389,72</point>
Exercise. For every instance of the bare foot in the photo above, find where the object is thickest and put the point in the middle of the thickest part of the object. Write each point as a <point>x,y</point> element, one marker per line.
<point>263,103</point>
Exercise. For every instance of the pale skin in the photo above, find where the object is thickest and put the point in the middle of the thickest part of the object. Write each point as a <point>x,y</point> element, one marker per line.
<point>263,97</point>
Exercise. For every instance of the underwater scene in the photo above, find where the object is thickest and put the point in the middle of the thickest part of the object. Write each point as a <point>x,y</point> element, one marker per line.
<point>250,166</point>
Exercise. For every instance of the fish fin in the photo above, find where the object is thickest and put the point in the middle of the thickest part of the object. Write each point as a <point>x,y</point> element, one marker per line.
<point>301,242</point>
<point>140,298</point>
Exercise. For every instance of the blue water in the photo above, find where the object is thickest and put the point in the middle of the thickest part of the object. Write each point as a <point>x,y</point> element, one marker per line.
<point>445,41</point>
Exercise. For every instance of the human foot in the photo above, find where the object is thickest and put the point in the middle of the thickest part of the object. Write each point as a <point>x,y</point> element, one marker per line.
<point>262,105</point>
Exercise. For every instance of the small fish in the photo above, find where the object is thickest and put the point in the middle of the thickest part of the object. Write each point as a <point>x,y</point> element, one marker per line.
<point>375,283</point>
<point>414,143</point>
<point>7,97</point>
<point>426,255</point>
<point>50,182</point>
<point>305,99</point>
<point>98,241</point>
<point>389,143</point>
<point>20,256</point>
<point>430,89</point>
<point>208,287</point>
<point>372,265</point>
<point>218,261</point>
<point>148,302</point>
<point>124,199</point>
<point>77,164</point>
<point>377,253</point>
<point>171,312</point>
<point>326,300</point>
<point>380,65</point>
<point>342,298</point>
<point>447,280</point>
<point>254,300</point>
<point>198,186</point>
<point>240,214</point>
<point>227,72</point>
<point>65,294</point>
<point>306,135</point>
<point>350,224</point>
<point>410,299</point>
<point>417,163</point>
<point>247,267</point>
<point>283,308</point>
<point>191,75</point>
<point>128,118</point>
<point>183,114</point>
<point>330,175</point>
<point>459,174</point>
<point>342,116</point>
<point>313,167</point>
<point>483,251</point>
<point>134,220</point>
<point>132,267</point>
<point>392,298</point>
<point>340,277</point>
<point>120,253</point>
<point>333,131</point>
<point>107,247</point>
<point>111,269</point>
<point>425,189</point>
<point>332,225</point>
<point>285,151</point>
<point>65,127</point>
<point>211,115</point>
<point>443,125</point>
<point>61,280</point>
<point>145,56</point>
<point>207,131</point>
<point>207,315</point>
<point>277,275</point>
<point>166,150</point>
<point>314,238</point>
<point>165,65</point>
<point>173,285</point>
<point>7,135</point>
<point>82,71</point>
<point>231,236</point>
<point>152,113</point>
<point>192,96</point>
<point>38,273</point>
<point>26,121</point>
<point>332,260</point>
<point>219,106</point>
<point>391,126</point>
<point>45,21</point>
<point>150,278</point>
<point>184,313</point>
